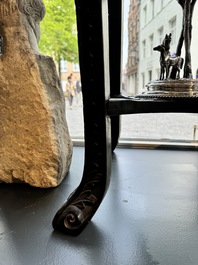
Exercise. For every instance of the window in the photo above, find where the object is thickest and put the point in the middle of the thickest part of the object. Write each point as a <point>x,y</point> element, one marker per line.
<point>143,80</point>
<point>163,126</point>
<point>75,67</point>
<point>144,49</point>
<point>162,3</point>
<point>172,24</point>
<point>64,66</point>
<point>145,29</point>
<point>150,75</point>
<point>144,16</point>
<point>152,8</point>
<point>160,34</point>
<point>151,44</point>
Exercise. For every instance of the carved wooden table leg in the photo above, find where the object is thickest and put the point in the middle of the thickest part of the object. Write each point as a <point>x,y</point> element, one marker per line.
<point>93,42</point>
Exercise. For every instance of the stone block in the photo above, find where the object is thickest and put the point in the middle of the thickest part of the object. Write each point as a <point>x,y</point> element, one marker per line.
<point>35,145</point>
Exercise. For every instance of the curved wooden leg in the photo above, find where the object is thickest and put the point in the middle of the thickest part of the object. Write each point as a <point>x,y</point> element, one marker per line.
<point>85,200</point>
<point>93,40</point>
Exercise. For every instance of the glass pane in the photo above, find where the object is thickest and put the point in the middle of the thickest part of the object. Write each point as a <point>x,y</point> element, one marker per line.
<point>161,126</point>
<point>145,25</point>
<point>59,40</point>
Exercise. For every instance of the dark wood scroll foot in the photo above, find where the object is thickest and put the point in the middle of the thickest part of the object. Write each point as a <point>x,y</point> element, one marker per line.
<point>82,204</point>
<point>76,213</point>
<point>70,218</point>
<point>85,200</point>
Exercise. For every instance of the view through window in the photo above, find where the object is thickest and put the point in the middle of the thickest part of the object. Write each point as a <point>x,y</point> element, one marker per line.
<point>145,24</point>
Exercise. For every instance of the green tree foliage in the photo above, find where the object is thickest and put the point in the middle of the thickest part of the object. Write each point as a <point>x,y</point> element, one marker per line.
<point>58,31</point>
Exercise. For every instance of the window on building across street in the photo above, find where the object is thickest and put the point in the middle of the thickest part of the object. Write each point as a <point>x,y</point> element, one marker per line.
<point>160,34</point>
<point>172,24</point>
<point>152,8</point>
<point>144,15</point>
<point>144,49</point>
<point>162,3</point>
<point>150,75</point>
<point>64,66</point>
<point>76,67</point>
<point>151,44</point>
<point>143,80</point>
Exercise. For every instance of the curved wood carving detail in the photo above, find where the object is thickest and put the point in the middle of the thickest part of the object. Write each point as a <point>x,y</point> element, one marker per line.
<point>80,207</point>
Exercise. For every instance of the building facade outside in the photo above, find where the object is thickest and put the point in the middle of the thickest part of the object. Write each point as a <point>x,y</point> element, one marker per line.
<point>156,19</point>
<point>69,69</point>
<point>131,71</point>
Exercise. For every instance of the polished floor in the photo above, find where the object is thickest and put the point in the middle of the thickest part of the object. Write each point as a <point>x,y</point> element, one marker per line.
<point>148,217</point>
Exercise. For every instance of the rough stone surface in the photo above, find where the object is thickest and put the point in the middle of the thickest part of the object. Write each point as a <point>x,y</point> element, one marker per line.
<point>35,146</point>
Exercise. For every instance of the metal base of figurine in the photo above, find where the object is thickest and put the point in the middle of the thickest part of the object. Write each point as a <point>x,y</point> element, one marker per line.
<point>172,88</point>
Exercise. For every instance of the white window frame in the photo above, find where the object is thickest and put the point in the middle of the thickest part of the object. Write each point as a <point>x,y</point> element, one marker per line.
<point>162,4</point>
<point>75,67</point>
<point>145,15</point>
<point>160,34</point>
<point>173,29</point>
<point>152,8</point>
<point>151,37</point>
<point>150,73</point>
<point>144,49</point>
<point>63,66</point>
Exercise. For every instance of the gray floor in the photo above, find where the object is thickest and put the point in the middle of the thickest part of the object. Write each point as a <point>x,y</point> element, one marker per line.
<point>148,217</point>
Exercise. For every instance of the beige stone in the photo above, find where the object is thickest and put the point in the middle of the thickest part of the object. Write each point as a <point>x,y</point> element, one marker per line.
<point>35,146</point>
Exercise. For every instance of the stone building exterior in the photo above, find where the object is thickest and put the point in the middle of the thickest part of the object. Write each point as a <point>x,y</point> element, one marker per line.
<point>157,18</point>
<point>133,48</point>
<point>148,22</point>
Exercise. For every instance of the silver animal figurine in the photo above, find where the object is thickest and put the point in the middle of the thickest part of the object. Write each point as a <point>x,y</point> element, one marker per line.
<point>166,60</point>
